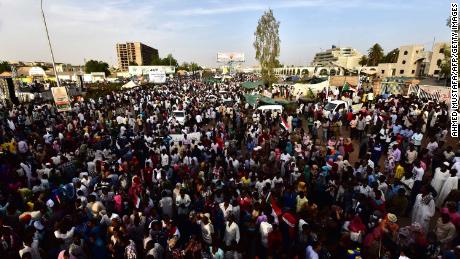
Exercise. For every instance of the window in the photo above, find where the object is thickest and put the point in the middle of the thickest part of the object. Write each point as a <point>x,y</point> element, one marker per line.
<point>405,52</point>
<point>413,71</point>
<point>404,62</point>
<point>383,71</point>
<point>439,62</point>
<point>441,50</point>
<point>401,71</point>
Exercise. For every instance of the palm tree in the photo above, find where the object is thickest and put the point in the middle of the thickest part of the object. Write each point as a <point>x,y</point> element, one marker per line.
<point>375,55</point>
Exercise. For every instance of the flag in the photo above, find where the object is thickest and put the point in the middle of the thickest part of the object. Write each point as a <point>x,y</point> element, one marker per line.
<point>346,87</point>
<point>275,207</point>
<point>284,124</point>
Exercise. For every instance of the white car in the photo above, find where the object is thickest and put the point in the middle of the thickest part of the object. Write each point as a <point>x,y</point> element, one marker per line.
<point>179,115</point>
<point>212,98</point>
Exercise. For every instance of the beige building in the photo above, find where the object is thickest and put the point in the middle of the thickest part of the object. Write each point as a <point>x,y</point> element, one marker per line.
<point>343,57</point>
<point>134,53</point>
<point>414,61</point>
<point>437,57</point>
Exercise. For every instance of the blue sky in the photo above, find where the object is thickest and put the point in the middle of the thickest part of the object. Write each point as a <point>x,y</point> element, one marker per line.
<point>196,30</point>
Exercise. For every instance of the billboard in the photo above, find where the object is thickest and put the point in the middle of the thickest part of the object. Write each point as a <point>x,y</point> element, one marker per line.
<point>230,56</point>
<point>61,99</point>
<point>144,70</point>
<point>157,77</point>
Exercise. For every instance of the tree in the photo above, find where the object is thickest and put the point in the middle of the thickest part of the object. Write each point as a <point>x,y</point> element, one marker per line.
<point>375,55</point>
<point>267,45</point>
<point>97,66</point>
<point>392,56</point>
<point>184,66</point>
<point>363,61</point>
<point>445,63</point>
<point>169,60</point>
<point>5,66</point>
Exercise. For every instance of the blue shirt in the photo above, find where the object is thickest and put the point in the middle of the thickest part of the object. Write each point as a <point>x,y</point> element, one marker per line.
<point>396,129</point>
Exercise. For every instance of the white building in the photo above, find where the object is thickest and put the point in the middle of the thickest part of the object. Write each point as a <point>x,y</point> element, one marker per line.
<point>343,57</point>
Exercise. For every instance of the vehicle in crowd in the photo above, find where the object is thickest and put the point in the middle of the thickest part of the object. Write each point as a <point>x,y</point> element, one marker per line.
<point>272,108</point>
<point>179,115</point>
<point>340,107</point>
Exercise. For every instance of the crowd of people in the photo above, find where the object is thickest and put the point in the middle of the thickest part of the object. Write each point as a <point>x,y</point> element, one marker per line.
<point>122,177</point>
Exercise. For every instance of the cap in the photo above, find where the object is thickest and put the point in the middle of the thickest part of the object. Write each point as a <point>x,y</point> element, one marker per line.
<point>392,217</point>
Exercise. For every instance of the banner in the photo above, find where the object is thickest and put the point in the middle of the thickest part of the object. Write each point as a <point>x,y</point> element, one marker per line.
<point>443,92</point>
<point>191,136</point>
<point>230,56</point>
<point>61,99</point>
<point>157,77</point>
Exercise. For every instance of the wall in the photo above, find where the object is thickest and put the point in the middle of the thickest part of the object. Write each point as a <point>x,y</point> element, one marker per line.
<point>434,69</point>
<point>407,60</point>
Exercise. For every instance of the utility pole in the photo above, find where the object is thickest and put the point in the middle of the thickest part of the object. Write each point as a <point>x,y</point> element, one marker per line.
<point>49,43</point>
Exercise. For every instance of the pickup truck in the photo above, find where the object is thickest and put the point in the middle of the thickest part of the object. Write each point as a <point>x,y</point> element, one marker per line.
<point>340,106</point>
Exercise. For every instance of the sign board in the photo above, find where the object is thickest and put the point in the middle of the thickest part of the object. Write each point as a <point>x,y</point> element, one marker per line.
<point>157,77</point>
<point>230,56</point>
<point>144,70</point>
<point>443,91</point>
<point>61,99</point>
<point>191,136</point>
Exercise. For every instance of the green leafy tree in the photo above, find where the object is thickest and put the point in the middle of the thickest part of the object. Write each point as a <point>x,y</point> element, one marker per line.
<point>363,61</point>
<point>4,66</point>
<point>97,66</point>
<point>375,55</point>
<point>267,45</point>
<point>392,56</point>
<point>169,60</point>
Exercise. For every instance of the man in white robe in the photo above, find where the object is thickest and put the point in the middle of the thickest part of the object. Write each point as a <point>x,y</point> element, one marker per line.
<point>424,208</point>
<point>440,176</point>
<point>450,184</point>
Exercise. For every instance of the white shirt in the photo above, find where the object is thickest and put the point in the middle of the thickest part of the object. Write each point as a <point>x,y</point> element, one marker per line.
<point>418,173</point>
<point>265,229</point>
<point>311,254</point>
<point>232,232</point>
<point>226,211</point>
<point>417,138</point>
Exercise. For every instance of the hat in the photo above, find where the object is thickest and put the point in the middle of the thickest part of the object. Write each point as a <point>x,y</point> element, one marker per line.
<point>392,217</point>
<point>446,163</point>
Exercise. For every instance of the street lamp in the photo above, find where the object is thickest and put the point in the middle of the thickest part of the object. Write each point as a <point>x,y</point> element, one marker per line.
<point>49,43</point>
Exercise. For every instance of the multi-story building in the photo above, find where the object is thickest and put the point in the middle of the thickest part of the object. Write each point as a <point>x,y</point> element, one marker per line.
<point>437,57</point>
<point>414,61</point>
<point>344,57</point>
<point>135,53</point>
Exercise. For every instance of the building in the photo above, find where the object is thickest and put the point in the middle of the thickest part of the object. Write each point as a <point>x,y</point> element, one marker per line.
<point>134,53</point>
<point>347,58</point>
<point>437,57</point>
<point>414,61</point>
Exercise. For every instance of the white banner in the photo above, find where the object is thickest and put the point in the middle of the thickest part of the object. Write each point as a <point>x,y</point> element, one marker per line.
<point>157,77</point>
<point>230,56</point>
<point>144,70</point>
<point>191,136</point>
